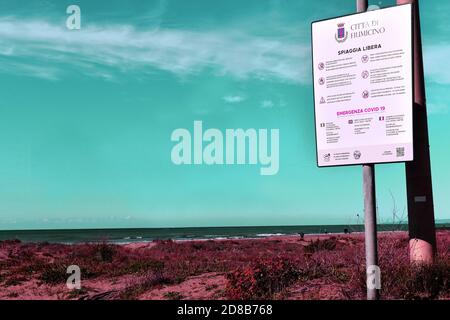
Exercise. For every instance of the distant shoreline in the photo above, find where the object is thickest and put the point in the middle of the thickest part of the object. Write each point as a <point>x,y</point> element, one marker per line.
<point>130,236</point>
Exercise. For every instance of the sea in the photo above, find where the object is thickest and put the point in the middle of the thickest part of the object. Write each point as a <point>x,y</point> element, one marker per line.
<point>129,235</point>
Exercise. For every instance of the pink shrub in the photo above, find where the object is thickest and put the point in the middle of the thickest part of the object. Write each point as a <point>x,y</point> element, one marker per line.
<point>261,280</point>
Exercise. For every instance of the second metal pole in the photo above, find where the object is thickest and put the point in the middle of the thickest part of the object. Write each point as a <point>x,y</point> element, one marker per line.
<point>362,5</point>
<point>422,231</point>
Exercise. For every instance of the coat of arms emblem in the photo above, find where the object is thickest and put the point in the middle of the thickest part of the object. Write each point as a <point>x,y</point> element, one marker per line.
<point>341,34</point>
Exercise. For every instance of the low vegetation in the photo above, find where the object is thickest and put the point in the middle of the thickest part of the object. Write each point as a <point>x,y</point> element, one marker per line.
<point>328,268</point>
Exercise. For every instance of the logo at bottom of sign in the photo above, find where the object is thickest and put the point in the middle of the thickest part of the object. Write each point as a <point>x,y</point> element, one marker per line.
<point>357,155</point>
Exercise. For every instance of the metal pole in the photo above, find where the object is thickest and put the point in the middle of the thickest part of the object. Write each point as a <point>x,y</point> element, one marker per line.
<point>370,218</point>
<point>422,234</point>
<point>370,231</point>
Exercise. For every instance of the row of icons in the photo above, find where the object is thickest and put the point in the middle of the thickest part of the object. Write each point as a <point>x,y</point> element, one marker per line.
<point>381,118</point>
<point>400,151</point>
<point>364,59</point>
<point>357,155</point>
<point>365,74</point>
<point>365,94</point>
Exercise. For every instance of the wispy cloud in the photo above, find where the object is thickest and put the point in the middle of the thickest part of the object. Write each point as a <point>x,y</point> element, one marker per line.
<point>436,64</point>
<point>267,104</point>
<point>233,99</point>
<point>437,71</point>
<point>437,109</point>
<point>24,69</point>
<point>106,50</point>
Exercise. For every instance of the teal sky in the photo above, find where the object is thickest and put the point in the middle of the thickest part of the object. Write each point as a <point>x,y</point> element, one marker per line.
<point>86,115</point>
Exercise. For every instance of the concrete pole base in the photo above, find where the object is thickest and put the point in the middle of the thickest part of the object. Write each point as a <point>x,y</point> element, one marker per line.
<point>420,251</point>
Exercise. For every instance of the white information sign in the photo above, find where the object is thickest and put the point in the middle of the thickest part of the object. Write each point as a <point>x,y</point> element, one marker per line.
<point>363,87</point>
